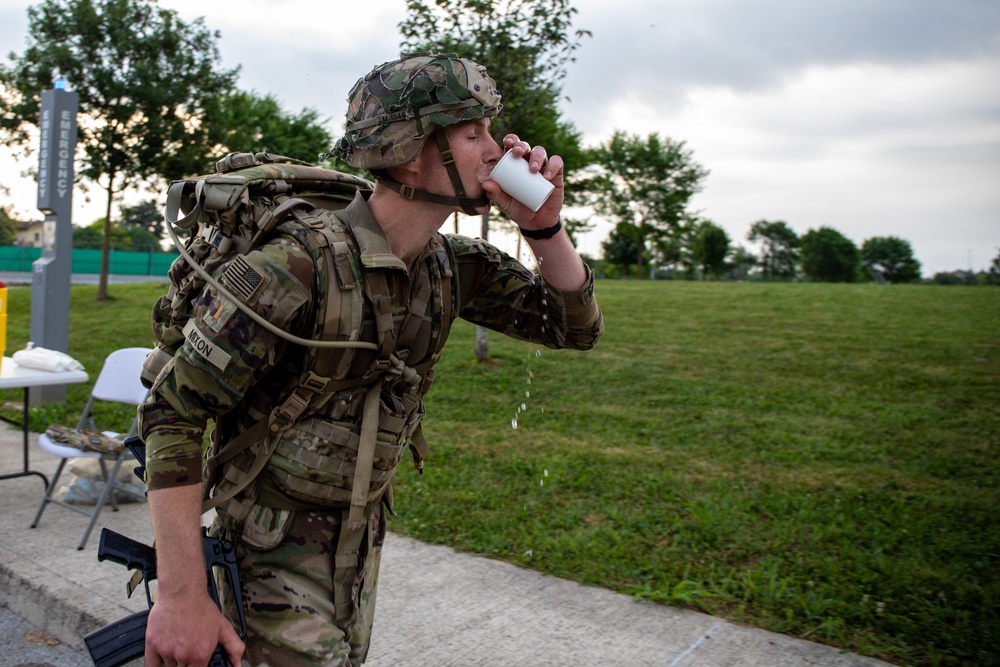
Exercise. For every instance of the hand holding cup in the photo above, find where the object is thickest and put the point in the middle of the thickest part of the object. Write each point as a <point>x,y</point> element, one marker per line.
<point>514,176</point>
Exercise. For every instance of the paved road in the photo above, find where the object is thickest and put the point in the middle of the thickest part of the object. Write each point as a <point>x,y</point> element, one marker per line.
<point>25,278</point>
<point>25,645</point>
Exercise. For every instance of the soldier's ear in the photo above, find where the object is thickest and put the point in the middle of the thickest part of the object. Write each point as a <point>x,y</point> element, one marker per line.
<point>408,173</point>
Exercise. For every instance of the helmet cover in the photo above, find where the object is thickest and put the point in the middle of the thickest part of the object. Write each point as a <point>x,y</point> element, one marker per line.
<point>395,108</point>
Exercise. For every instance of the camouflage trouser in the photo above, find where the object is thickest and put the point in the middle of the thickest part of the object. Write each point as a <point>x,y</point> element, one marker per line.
<point>288,590</point>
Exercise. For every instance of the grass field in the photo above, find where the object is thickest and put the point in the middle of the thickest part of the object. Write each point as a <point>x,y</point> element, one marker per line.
<point>817,460</point>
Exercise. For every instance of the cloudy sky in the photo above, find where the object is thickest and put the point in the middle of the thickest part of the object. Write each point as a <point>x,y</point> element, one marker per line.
<point>875,117</point>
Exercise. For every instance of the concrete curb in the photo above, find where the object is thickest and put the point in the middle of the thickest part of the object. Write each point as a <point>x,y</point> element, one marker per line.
<point>46,599</point>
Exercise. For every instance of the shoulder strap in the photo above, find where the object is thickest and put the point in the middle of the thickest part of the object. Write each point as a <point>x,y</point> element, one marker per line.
<point>334,277</point>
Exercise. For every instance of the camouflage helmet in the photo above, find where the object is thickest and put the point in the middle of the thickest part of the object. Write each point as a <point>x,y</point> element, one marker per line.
<point>396,107</point>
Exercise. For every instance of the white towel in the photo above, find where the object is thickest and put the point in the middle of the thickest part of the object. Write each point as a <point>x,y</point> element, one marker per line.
<point>46,360</point>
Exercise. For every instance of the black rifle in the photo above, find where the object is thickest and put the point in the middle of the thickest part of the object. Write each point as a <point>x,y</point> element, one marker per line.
<point>125,640</point>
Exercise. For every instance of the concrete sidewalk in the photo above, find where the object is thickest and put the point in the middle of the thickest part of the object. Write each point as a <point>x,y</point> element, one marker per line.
<point>436,607</point>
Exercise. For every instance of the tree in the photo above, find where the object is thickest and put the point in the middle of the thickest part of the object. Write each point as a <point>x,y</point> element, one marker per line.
<point>952,278</point>
<point>621,247</point>
<point>829,256</point>
<point>741,261</point>
<point>141,240</point>
<point>92,236</point>
<point>779,256</point>
<point>993,276</point>
<point>526,46</point>
<point>149,85</point>
<point>646,183</point>
<point>669,251</point>
<point>8,227</point>
<point>889,258</point>
<point>710,248</point>
<point>251,123</point>
<point>146,215</point>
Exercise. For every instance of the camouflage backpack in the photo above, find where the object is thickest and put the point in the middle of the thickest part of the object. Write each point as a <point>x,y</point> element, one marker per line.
<point>230,213</point>
<point>249,200</point>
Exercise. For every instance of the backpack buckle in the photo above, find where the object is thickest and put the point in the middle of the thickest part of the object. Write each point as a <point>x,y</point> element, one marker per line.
<point>314,383</point>
<point>378,367</point>
<point>283,416</point>
<point>235,161</point>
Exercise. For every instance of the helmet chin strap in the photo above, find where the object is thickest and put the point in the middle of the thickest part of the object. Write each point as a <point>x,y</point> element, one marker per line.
<point>468,204</point>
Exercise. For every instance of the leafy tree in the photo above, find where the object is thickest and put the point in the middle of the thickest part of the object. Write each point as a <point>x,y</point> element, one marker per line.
<point>621,247</point>
<point>141,240</point>
<point>646,183</point>
<point>149,87</point>
<point>889,258</point>
<point>741,261</point>
<point>8,228</point>
<point>128,238</point>
<point>710,248</point>
<point>779,249</point>
<point>829,256</point>
<point>144,225</point>
<point>252,123</point>
<point>92,236</point>
<point>669,251</point>
<point>146,215</point>
<point>952,278</point>
<point>526,45</point>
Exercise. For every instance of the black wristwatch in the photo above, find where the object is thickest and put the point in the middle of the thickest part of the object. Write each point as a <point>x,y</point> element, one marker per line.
<point>542,234</point>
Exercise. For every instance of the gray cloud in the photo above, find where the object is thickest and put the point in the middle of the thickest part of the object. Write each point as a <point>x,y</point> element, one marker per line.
<point>668,47</point>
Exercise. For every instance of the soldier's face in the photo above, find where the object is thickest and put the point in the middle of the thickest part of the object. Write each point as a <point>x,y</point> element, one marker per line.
<point>475,153</point>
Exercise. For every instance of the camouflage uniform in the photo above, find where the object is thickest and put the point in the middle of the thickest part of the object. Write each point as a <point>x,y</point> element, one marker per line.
<point>230,369</point>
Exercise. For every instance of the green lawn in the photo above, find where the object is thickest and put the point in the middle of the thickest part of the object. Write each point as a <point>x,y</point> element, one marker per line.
<point>817,460</point>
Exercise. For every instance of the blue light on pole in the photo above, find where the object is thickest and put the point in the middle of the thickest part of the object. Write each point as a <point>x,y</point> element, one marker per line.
<point>59,84</point>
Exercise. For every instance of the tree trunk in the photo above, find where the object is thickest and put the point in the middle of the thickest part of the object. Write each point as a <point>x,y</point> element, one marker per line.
<point>482,339</point>
<point>102,284</point>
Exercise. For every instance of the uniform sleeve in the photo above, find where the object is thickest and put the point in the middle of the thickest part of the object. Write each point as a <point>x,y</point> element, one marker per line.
<point>223,354</point>
<point>498,292</point>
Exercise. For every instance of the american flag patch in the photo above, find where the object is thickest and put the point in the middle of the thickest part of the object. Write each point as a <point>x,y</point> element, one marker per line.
<point>244,279</point>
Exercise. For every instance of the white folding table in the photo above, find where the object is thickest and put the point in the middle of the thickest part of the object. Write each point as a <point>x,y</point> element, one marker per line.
<point>13,376</point>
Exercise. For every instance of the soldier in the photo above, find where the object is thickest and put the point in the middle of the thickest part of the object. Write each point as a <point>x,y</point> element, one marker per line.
<point>308,507</point>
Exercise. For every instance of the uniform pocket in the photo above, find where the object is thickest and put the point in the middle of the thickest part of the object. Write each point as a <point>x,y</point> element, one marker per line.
<point>266,527</point>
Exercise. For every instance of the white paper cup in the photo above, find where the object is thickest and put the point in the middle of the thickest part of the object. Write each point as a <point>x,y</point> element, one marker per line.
<point>512,174</point>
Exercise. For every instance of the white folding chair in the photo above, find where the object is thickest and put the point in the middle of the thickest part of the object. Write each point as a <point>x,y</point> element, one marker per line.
<point>118,382</point>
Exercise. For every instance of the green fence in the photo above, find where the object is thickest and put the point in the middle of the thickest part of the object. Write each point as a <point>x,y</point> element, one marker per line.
<point>19,260</point>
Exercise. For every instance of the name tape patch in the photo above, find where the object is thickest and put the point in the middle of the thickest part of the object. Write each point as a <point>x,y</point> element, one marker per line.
<point>204,347</point>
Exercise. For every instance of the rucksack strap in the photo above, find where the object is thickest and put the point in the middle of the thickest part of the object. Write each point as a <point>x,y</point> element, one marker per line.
<point>366,457</point>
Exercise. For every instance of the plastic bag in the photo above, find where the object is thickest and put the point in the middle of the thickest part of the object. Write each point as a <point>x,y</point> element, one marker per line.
<point>45,359</point>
